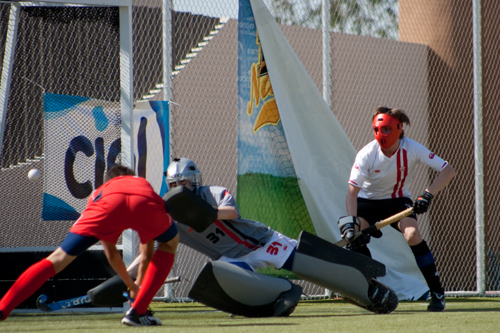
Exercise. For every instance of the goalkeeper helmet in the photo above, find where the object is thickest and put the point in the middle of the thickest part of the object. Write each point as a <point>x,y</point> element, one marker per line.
<point>183,169</point>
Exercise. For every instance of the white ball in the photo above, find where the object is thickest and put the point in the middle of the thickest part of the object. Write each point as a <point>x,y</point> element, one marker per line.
<point>34,174</point>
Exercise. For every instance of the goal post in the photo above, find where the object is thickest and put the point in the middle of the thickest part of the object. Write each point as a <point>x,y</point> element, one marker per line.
<point>126,81</point>
<point>7,66</point>
<point>127,117</point>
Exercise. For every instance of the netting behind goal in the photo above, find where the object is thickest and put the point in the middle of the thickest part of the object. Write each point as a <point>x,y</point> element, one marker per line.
<point>57,52</point>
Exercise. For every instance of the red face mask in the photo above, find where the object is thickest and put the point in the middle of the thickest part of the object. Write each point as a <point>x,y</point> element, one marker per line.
<point>386,140</point>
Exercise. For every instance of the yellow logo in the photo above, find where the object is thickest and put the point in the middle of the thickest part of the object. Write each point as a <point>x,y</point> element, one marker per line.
<point>261,91</point>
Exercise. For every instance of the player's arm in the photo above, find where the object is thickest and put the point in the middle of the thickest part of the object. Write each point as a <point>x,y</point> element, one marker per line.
<point>421,204</point>
<point>116,262</point>
<point>227,209</point>
<point>227,213</point>
<point>351,200</point>
<point>146,254</point>
<point>441,180</point>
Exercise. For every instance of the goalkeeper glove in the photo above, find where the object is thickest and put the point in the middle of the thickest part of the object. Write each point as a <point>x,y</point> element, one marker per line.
<point>349,226</point>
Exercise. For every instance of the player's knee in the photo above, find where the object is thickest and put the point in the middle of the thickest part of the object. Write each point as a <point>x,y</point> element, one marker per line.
<point>60,259</point>
<point>230,288</point>
<point>412,236</point>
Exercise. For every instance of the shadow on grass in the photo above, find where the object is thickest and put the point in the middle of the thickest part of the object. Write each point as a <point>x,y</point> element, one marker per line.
<point>256,324</point>
<point>472,300</point>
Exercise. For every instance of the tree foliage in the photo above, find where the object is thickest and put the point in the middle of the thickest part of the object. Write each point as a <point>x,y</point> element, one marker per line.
<point>376,18</point>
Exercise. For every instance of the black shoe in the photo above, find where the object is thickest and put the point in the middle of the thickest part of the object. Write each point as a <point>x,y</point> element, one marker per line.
<point>287,301</point>
<point>151,314</point>
<point>437,303</point>
<point>134,319</point>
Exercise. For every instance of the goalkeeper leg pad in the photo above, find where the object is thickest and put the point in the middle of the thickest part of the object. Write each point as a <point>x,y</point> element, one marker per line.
<point>346,272</point>
<point>232,289</point>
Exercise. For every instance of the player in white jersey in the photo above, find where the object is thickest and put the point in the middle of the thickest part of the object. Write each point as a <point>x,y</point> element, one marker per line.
<point>379,187</point>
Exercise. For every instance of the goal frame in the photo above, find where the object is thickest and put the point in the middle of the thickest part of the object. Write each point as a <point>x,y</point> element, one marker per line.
<point>126,82</point>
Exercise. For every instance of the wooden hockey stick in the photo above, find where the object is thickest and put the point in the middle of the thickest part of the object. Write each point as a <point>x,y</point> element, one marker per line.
<point>379,225</point>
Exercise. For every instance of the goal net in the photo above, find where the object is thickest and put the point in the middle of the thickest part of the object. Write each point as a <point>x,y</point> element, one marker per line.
<point>67,74</point>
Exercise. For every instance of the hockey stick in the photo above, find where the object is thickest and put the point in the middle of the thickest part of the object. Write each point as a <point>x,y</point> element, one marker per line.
<point>379,225</point>
<point>41,302</point>
<point>68,303</point>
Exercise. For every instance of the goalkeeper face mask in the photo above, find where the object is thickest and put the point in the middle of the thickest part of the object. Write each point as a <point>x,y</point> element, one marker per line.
<point>182,170</point>
<point>387,129</point>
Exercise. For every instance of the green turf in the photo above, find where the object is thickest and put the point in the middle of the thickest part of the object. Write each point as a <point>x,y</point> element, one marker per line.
<point>461,315</point>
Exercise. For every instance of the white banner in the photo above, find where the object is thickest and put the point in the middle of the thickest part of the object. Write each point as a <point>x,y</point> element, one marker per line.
<point>82,141</point>
<point>152,148</point>
<point>323,155</point>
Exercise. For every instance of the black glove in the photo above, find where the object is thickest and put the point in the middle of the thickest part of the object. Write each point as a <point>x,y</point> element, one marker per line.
<point>349,226</point>
<point>359,242</point>
<point>422,203</point>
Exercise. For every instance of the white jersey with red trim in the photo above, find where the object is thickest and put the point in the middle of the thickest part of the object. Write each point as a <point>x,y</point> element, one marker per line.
<point>229,238</point>
<point>382,177</point>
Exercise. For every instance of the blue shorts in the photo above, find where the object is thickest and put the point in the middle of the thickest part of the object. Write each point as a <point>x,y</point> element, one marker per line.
<point>75,244</point>
<point>168,235</point>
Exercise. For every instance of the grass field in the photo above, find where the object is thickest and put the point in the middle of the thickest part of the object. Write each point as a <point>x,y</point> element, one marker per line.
<point>461,315</point>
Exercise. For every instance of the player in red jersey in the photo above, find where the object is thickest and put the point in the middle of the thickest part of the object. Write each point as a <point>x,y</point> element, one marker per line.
<point>122,202</point>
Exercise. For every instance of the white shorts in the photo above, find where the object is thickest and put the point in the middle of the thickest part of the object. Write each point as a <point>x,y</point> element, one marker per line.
<point>273,254</point>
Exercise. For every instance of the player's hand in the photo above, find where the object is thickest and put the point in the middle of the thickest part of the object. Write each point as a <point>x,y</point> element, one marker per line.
<point>349,226</point>
<point>133,293</point>
<point>422,203</point>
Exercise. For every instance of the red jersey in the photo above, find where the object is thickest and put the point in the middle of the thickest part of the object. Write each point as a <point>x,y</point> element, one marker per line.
<point>125,202</point>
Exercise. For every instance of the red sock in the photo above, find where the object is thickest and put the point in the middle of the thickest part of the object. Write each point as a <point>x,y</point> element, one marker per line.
<point>32,279</point>
<point>155,276</point>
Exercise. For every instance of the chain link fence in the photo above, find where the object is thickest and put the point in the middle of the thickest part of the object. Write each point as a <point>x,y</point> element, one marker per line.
<point>419,62</point>
<point>415,55</point>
